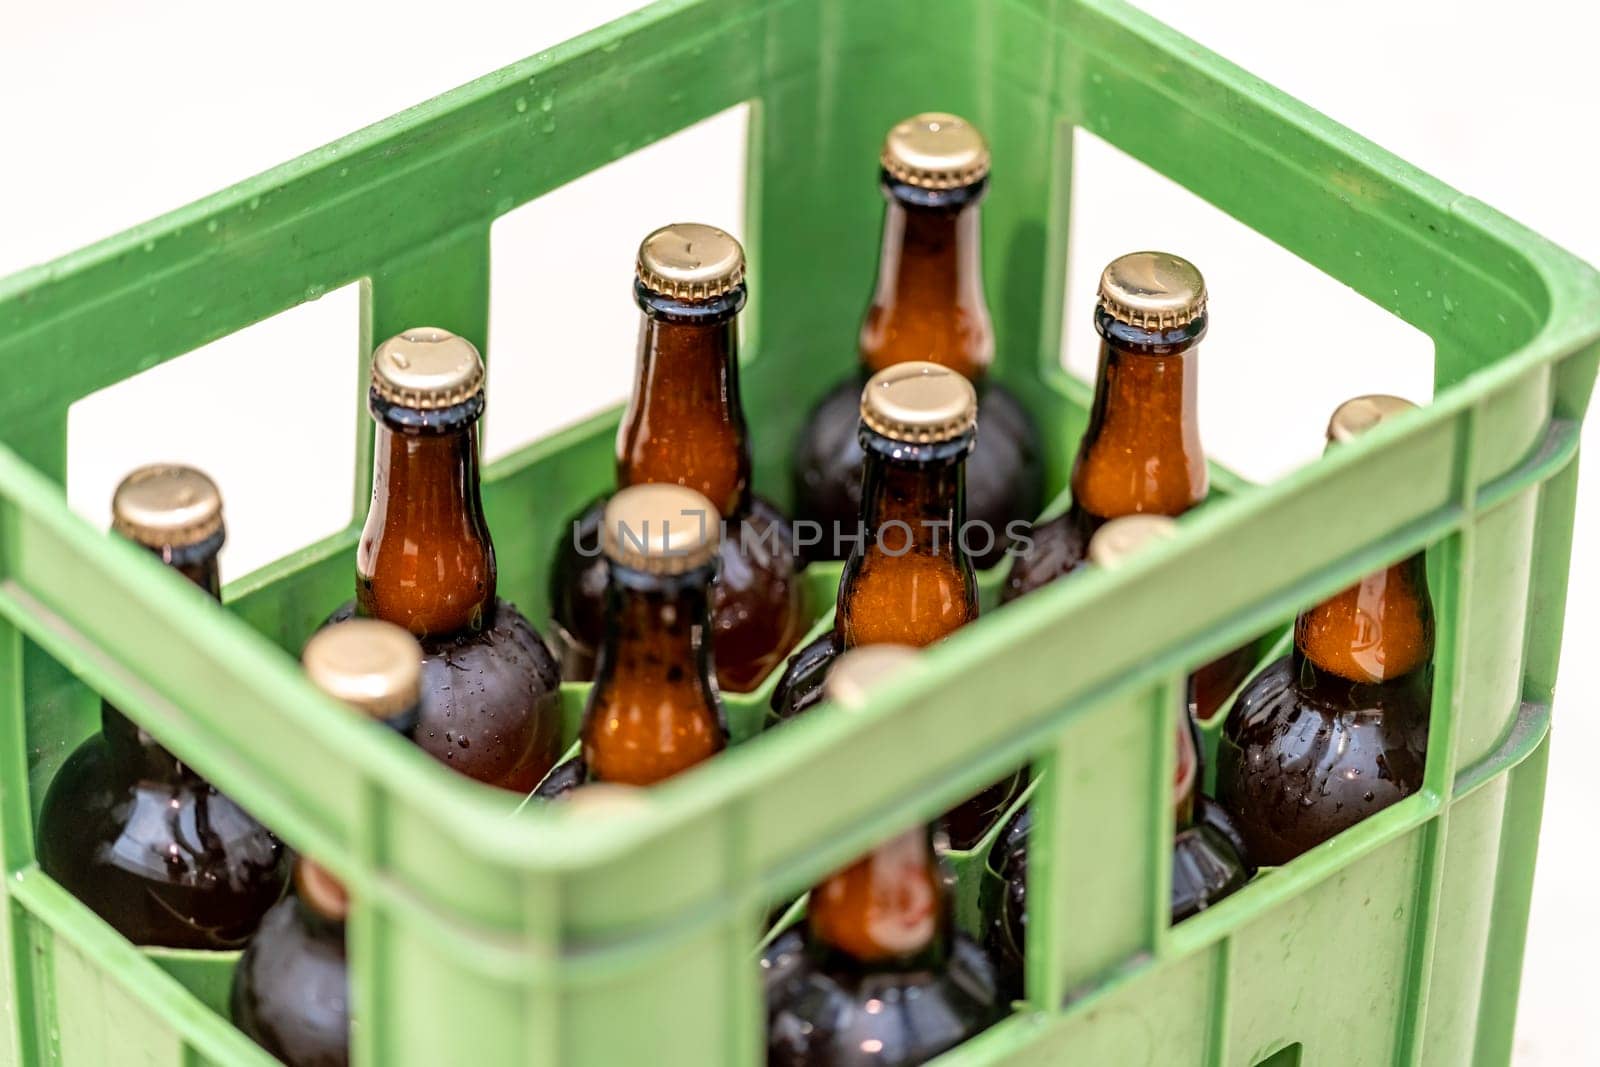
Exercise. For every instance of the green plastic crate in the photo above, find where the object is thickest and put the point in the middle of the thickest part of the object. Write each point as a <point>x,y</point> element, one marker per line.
<point>486,938</point>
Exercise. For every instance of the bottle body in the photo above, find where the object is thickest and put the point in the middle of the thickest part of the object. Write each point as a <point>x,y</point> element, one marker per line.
<point>928,304</point>
<point>1306,754</point>
<point>150,845</point>
<point>163,857</point>
<point>878,976</point>
<point>1338,729</point>
<point>425,562</point>
<point>291,990</point>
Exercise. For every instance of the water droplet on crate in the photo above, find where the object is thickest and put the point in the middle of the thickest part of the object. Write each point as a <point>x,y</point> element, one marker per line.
<point>255,202</point>
<point>548,102</point>
<point>149,246</point>
<point>522,105</point>
<point>211,225</point>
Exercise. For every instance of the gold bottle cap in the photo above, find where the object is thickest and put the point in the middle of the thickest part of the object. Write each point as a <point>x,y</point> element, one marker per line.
<point>660,529</point>
<point>690,261</point>
<point>375,667</point>
<point>1119,539</point>
<point>1359,414</point>
<point>320,891</point>
<point>166,505</point>
<point>856,673</point>
<point>1152,290</point>
<point>427,368</point>
<point>919,403</point>
<point>604,800</point>
<point>935,151</point>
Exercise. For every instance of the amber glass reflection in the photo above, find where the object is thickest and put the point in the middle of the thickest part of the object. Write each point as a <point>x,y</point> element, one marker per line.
<point>491,706</point>
<point>928,304</point>
<point>151,846</point>
<point>654,709</point>
<point>685,425</point>
<point>1338,729</point>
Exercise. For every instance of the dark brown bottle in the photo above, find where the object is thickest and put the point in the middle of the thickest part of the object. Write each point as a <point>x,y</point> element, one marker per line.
<point>654,710</point>
<point>126,826</point>
<point>491,707</point>
<point>1207,863</point>
<point>1338,729</point>
<point>928,304</point>
<point>685,426</point>
<point>909,579</point>
<point>291,989</point>
<point>1141,453</point>
<point>878,975</point>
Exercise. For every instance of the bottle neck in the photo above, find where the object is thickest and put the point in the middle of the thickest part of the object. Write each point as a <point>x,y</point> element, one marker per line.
<point>141,755</point>
<point>886,910</point>
<point>1141,453</point>
<point>654,709</point>
<point>909,579</point>
<point>684,422</point>
<point>1377,630</point>
<point>928,303</point>
<point>426,561</point>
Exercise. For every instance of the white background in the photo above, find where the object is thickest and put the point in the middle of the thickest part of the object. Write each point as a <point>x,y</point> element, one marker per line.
<point>111,113</point>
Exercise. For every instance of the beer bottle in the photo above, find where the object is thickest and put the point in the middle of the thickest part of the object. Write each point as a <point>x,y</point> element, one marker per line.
<point>909,579</point>
<point>426,563</point>
<point>1141,452</point>
<point>128,827</point>
<point>291,989</point>
<point>928,304</point>
<point>1337,729</point>
<point>878,974</point>
<point>654,709</point>
<point>1207,864</point>
<point>684,425</point>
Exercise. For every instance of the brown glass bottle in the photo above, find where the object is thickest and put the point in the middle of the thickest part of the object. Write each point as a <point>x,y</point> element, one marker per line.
<point>909,579</point>
<point>126,826</point>
<point>1338,729</point>
<point>928,304</point>
<point>291,989</point>
<point>685,426</point>
<point>426,563</point>
<point>1207,863</point>
<point>1141,452</point>
<point>878,975</point>
<point>654,710</point>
